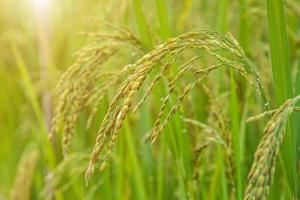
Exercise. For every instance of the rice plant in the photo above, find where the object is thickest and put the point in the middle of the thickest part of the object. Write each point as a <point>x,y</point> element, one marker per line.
<point>140,99</point>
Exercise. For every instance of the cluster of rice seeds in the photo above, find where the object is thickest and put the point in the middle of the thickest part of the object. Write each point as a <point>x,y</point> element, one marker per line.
<point>208,137</point>
<point>81,90</point>
<point>158,126</point>
<point>151,86</point>
<point>183,68</point>
<point>243,65</point>
<point>100,91</point>
<point>115,116</point>
<point>261,115</point>
<point>75,90</point>
<point>24,176</point>
<point>266,114</point>
<point>217,115</point>
<point>263,167</point>
<point>79,85</point>
<point>123,34</point>
<point>211,134</point>
<point>122,102</point>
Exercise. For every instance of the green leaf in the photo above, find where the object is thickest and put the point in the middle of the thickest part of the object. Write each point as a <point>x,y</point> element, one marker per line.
<point>281,69</point>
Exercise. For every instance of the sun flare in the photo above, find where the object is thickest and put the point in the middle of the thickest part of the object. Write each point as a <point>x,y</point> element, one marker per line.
<point>41,5</point>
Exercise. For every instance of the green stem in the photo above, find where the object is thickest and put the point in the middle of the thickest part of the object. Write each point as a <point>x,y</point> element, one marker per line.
<point>236,139</point>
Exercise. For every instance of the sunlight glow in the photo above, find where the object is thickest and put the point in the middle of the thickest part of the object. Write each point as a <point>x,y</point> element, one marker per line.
<point>41,5</point>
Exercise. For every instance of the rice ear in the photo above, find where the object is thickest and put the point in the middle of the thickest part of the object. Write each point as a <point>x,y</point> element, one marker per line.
<point>78,85</point>
<point>263,167</point>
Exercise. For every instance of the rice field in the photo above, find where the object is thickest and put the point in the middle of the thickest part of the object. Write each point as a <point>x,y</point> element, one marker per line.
<point>150,100</point>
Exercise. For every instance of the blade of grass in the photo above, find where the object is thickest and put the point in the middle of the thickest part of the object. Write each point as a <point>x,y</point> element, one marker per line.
<point>180,141</point>
<point>183,15</point>
<point>297,81</point>
<point>41,134</point>
<point>148,44</point>
<point>222,22</point>
<point>137,170</point>
<point>222,27</point>
<point>176,133</point>
<point>297,114</point>
<point>160,191</point>
<point>281,64</point>
<point>163,18</point>
<point>42,137</point>
<point>28,86</point>
<point>281,69</point>
<point>215,179</point>
<point>120,178</point>
<point>243,29</point>
<point>143,29</point>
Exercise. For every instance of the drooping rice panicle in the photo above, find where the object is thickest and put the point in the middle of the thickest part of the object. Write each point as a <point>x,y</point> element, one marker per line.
<point>263,168</point>
<point>81,83</point>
